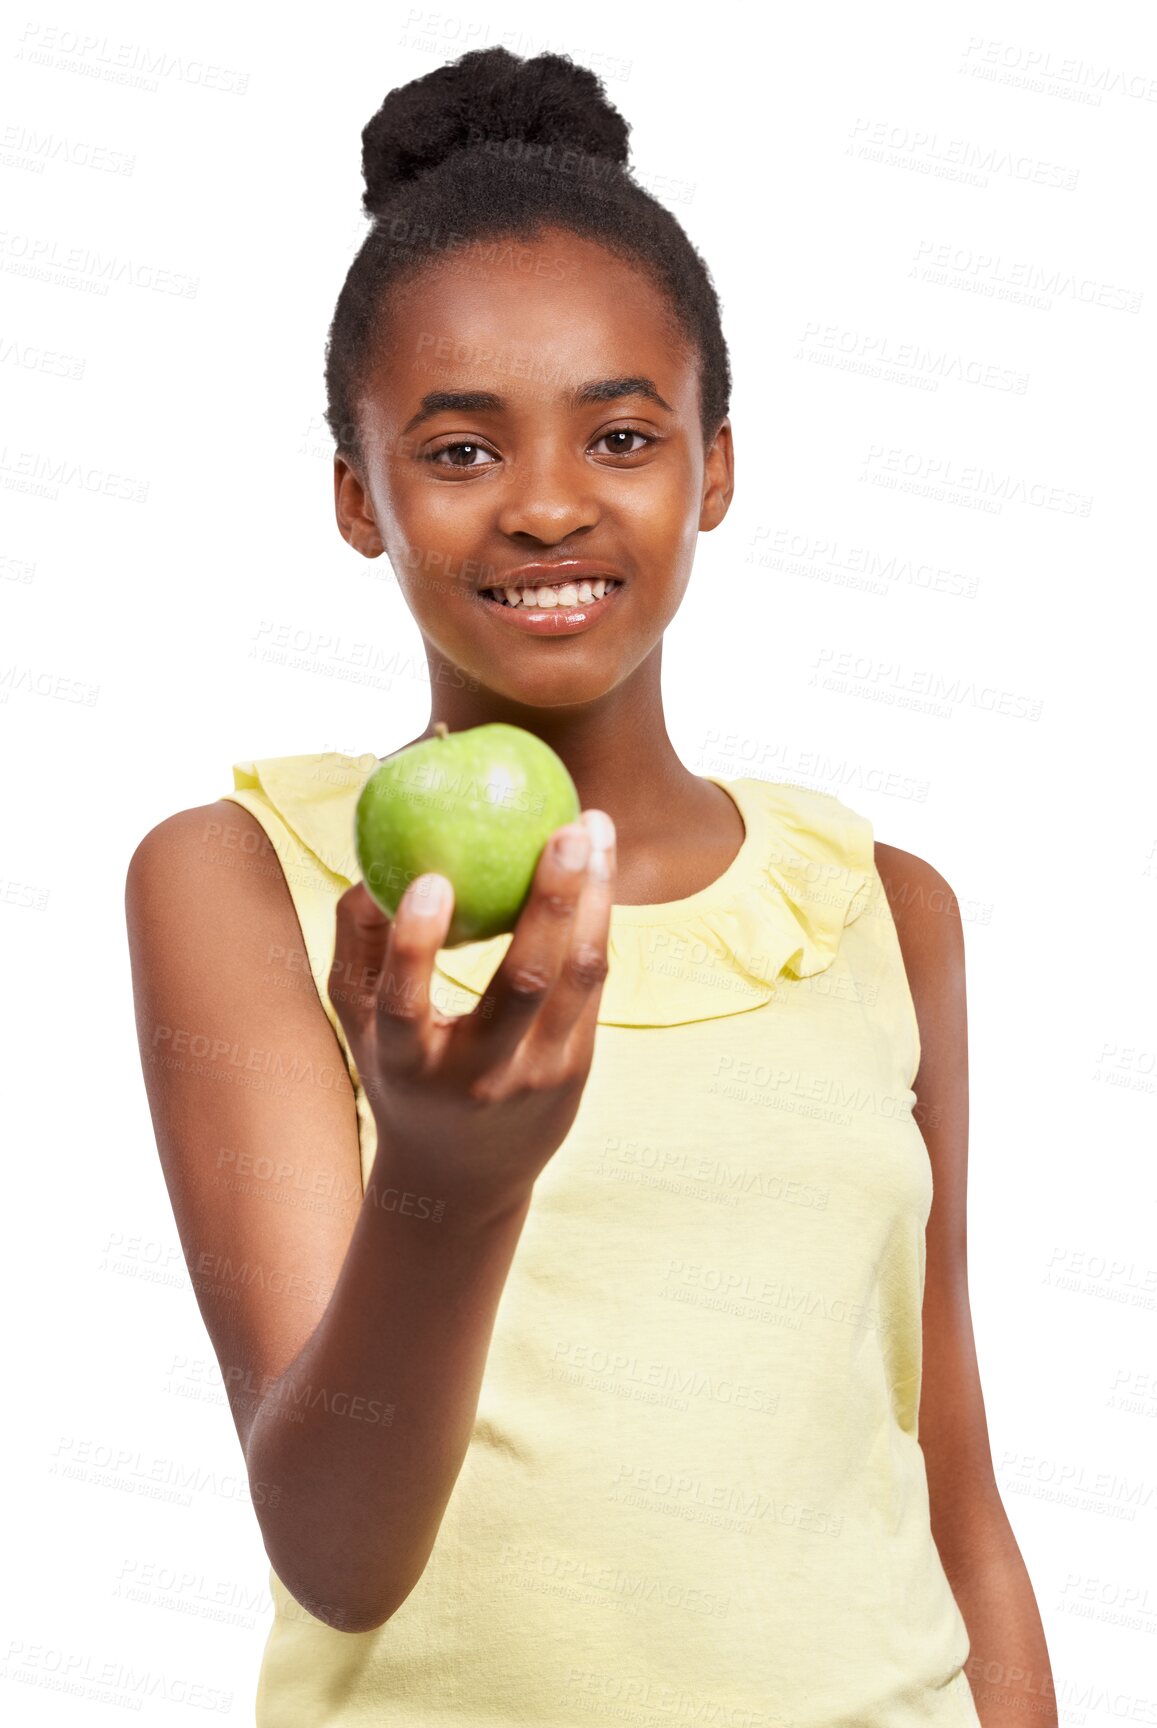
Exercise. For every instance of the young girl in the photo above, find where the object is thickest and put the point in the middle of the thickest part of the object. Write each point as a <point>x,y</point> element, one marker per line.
<point>570,1288</point>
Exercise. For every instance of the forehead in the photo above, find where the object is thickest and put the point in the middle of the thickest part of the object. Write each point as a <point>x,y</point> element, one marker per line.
<point>528,318</point>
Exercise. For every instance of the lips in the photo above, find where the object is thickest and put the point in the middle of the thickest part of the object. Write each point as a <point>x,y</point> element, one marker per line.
<point>550,574</point>
<point>554,622</point>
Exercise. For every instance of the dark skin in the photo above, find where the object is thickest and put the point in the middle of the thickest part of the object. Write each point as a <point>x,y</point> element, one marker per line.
<point>539,476</point>
<point>1008,1666</point>
<point>551,480</point>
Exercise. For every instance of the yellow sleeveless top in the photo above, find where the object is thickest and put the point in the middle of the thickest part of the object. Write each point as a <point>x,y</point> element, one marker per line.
<point>694,1489</point>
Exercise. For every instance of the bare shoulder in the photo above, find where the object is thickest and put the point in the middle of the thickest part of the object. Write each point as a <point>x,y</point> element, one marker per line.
<point>919,896</point>
<point>926,913</point>
<point>224,840</point>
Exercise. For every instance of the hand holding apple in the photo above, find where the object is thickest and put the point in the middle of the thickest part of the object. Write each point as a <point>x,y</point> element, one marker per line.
<point>472,1107</point>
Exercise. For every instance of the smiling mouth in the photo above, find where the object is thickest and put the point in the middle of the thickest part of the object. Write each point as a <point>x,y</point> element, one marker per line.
<point>546,596</point>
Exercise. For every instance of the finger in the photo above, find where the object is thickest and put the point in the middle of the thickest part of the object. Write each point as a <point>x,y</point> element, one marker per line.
<point>569,1015</point>
<point>359,951</point>
<point>531,964</point>
<point>403,1011</point>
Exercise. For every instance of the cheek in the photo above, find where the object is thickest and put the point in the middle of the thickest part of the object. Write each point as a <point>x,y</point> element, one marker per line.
<point>427,511</point>
<point>673,526</point>
<point>432,539</point>
<point>666,513</point>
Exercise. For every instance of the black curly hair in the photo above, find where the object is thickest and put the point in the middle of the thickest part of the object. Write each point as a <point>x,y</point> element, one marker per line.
<point>495,147</point>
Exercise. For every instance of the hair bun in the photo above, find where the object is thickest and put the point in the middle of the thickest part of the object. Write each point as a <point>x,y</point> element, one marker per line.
<point>488,93</point>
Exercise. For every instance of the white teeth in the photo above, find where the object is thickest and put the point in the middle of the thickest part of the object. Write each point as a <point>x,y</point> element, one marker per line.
<point>545,598</point>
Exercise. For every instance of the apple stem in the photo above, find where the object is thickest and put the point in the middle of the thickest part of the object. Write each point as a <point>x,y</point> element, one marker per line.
<point>441,729</point>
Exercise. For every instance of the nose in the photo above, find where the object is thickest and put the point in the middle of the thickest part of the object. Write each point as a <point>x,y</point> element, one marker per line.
<point>547,493</point>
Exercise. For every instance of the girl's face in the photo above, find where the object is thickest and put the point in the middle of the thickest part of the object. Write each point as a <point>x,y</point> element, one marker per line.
<point>536,408</point>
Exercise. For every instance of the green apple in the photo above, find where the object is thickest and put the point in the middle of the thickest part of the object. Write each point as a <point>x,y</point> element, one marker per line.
<point>476,806</point>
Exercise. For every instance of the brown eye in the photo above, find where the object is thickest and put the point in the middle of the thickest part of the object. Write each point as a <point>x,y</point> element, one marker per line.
<point>618,449</point>
<point>457,459</point>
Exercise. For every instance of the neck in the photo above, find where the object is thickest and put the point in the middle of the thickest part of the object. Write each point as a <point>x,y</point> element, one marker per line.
<point>616,749</point>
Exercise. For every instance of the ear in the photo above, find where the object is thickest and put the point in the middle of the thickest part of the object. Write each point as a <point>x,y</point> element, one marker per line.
<point>718,479</point>
<point>355,517</point>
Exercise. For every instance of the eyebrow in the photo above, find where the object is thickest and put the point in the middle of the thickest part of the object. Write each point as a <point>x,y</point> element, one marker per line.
<point>486,402</point>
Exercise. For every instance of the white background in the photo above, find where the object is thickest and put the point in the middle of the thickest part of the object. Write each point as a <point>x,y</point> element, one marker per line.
<point>871,187</point>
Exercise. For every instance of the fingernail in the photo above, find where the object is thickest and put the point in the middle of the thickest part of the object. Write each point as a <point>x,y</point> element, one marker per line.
<point>427,894</point>
<point>571,848</point>
<point>600,828</point>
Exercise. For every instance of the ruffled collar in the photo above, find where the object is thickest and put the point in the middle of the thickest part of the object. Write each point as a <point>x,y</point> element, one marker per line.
<point>802,873</point>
